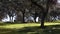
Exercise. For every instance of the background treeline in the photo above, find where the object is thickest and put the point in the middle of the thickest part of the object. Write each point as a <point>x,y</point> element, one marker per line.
<point>25,9</point>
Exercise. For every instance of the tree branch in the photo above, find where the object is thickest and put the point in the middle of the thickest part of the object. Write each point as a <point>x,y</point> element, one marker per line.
<point>41,7</point>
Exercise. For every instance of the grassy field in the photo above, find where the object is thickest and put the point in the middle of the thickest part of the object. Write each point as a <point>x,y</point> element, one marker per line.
<point>29,28</point>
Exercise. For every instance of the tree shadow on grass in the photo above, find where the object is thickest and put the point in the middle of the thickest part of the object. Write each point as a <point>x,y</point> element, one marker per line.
<point>10,23</point>
<point>37,30</point>
<point>6,31</point>
<point>33,30</point>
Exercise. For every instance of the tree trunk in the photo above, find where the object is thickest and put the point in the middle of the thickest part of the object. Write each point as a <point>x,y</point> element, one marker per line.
<point>44,14</point>
<point>23,18</point>
<point>44,11</point>
<point>35,16</point>
<point>42,21</point>
<point>10,19</point>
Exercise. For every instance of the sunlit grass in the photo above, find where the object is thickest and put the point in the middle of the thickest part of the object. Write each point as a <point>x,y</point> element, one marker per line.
<point>29,28</point>
<point>18,26</point>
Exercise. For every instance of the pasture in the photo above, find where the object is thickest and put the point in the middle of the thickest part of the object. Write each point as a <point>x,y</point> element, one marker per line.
<point>29,28</point>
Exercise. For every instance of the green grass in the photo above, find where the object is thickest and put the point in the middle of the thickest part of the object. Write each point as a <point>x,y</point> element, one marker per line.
<point>29,28</point>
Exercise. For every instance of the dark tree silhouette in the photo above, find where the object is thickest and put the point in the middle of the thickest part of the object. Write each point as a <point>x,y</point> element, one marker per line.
<point>44,10</point>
